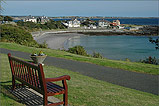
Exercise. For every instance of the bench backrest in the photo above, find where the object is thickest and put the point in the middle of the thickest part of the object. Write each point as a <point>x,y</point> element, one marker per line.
<point>29,74</point>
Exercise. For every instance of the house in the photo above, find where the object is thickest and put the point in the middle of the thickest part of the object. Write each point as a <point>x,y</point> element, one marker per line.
<point>115,23</point>
<point>30,18</point>
<point>103,23</point>
<point>72,23</point>
<point>42,19</point>
<point>90,26</point>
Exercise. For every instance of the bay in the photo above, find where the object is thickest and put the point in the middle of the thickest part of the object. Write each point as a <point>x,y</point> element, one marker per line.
<point>117,47</point>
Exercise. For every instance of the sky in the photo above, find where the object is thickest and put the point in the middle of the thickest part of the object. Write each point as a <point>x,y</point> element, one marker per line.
<point>110,8</point>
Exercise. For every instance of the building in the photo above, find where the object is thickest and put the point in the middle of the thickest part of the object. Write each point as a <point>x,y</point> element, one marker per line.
<point>115,23</point>
<point>30,18</point>
<point>41,19</point>
<point>72,23</point>
<point>90,26</point>
<point>103,23</point>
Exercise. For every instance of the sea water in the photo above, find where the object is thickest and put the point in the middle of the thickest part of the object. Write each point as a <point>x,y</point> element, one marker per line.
<point>118,47</point>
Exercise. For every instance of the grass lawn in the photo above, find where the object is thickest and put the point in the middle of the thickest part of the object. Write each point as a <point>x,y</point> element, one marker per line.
<point>125,65</point>
<point>83,90</point>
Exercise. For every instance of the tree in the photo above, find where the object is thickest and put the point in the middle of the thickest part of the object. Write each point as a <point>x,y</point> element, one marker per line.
<point>7,18</point>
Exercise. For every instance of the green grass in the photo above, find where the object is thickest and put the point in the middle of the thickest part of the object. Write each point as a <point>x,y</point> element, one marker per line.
<point>83,90</point>
<point>125,65</point>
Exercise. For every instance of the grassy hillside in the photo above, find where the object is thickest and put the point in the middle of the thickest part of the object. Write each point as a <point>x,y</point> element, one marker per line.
<point>83,90</point>
<point>126,65</point>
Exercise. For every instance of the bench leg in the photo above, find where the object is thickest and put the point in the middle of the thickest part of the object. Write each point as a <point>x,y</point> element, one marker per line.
<point>65,96</point>
<point>65,99</point>
<point>45,102</point>
<point>13,83</point>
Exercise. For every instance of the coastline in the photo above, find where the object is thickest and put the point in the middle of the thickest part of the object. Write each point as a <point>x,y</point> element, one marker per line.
<point>145,31</point>
<point>55,40</point>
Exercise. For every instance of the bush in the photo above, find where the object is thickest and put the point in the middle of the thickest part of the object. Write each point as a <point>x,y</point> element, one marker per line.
<point>44,45</point>
<point>28,24</point>
<point>97,55</point>
<point>78,50</point>
<point>7,18</point>
<point>17,35</point>
<point>150,60</point>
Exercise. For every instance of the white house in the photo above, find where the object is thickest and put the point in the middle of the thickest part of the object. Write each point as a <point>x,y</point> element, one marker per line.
<point>116,22</point>
<point>42,19</point>
<point>90,26</point>
<point>72,23</point>
<point>30,18</point>
<point>103,23</point>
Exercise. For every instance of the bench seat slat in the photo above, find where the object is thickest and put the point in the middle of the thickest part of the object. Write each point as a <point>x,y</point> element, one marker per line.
<point>54,88</point>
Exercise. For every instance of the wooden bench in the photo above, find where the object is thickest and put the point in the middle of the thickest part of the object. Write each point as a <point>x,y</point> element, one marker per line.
<point>32,75</point>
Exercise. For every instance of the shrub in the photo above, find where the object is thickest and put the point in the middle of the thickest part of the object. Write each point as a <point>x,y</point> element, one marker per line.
<point>17,35</point>
<point>97,55</point>
<point>44,45</point>
<point>28,24</point>
<point>78,50</point>
<point>150,60</point>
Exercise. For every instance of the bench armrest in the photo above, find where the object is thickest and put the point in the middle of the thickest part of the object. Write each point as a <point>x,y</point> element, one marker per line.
<point>65,77</point>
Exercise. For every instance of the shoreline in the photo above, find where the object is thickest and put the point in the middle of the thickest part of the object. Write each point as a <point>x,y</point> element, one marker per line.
<point>56,40</point>
<point>145,31</point>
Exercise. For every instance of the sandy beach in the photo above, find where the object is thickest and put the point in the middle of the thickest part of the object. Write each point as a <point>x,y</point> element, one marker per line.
<point>55,40</point>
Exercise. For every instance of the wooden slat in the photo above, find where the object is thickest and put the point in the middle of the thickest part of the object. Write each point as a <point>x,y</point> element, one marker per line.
<point>31,76</point>
<point>37,79</point>
<point>23,72</point>
<point>26,73</point>
<point>14,67</point>
<point>54,87</point>
<point>34,77</point>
